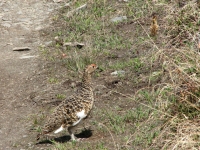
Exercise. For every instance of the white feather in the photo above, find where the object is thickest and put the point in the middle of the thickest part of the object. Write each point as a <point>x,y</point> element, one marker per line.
<point>59,129</point>
<point>80,115</point>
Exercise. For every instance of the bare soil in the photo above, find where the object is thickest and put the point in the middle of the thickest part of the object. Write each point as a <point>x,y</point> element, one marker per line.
<point>20,23</point>
<point>24,88</point>
<point>31,87</point>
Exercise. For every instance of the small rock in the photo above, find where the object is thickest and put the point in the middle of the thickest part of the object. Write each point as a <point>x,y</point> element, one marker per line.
<point>48,43</point>
<point>40,27</point>
<point>64,55</point>
<point>119,19</point>
<point>73,85</point>
<point>5,9</point>
<point>120,72</point>
<point>57,1</point>
<point>79,45</point>
<point>19,12</point>
<point>24,136</point>
<point>23,20</point>
<point>156,73</point>
<point>30,144</point>
<point>7,25</point>
<point>123,0</point>
<point>21,49</point>
<point>25,57</point>
<point>56,38</point>
<point>5,19</point>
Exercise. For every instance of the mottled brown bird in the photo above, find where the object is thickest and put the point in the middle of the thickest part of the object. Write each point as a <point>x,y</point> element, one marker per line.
<point>154,25</point>
<point>74,109</point>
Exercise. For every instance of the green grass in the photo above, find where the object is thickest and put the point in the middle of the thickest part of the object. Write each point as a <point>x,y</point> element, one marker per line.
<point>60,96</point>
<point>155,72</point>
<point>53,80</point>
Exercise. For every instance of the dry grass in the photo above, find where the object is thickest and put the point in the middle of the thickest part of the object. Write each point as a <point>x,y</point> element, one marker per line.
<point>156,104</point>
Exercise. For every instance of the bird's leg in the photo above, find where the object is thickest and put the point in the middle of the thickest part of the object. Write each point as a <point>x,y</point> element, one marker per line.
<point>71,133</point>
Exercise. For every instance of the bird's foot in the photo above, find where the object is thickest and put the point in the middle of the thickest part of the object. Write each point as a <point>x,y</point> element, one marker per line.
<point>78,140</point>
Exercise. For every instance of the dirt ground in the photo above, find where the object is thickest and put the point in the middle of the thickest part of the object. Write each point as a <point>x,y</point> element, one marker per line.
<point>20,22</point>
<point>23,80</point>
<point>126,106</point>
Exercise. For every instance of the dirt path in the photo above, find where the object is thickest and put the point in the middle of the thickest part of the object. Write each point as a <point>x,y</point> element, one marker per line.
<point>20,22</point>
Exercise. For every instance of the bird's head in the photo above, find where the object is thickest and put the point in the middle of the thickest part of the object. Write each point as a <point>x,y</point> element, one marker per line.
<point>91,68</point>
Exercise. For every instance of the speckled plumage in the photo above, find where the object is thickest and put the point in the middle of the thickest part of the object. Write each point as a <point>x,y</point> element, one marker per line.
<point>65,115</point>
<point>154,26</point>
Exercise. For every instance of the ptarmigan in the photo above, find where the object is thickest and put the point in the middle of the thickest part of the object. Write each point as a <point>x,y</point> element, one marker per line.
<point>74,109</point>
<point>154,25</point>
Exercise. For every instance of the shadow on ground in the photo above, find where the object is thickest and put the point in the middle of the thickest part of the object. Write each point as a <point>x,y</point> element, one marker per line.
<point>83,135</point>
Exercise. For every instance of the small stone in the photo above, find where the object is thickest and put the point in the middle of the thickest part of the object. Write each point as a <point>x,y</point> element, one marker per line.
<point>56,38</point>
<point>24,20</point>
<point>57,1</point>
<point>5,19</point>
<point>25,57</point>
<point>119,19</point>
<point>73,85</point>
<point>123,0</point>
<point>64,55</point>
<point>19,12</point>
<point>48,43</point>
<point>79,45</point>
<point>5,9</point>
<point>21,49</point>
<point>120,72</point>
<point>7,25</point>
<point>39,28</point>
<point>24,136</point>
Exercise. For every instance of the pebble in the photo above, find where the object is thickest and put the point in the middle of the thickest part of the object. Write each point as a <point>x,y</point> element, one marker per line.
<point>73,85</point>
<point>24,20</point>
<point>5,9</point>
<point>25,57</point>
<point>39,28</point>
<point>123,0</point>
<point>48,43</point>
<point>56,38</point>
<point>21,49</point>
<point>119,72</point>
<point>57,1</point>
<point>19,12</point>
<point>7,25</point>
<point>119,19</point>
<point>79,45</point>
<point>5,19</point>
